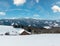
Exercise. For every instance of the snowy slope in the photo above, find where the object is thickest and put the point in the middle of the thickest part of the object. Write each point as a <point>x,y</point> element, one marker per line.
<point>31,40</point>
<point>4,29</point>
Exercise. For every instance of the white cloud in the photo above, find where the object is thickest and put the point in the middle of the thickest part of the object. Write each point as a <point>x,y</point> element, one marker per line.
<point>56,8</point>
<point>37,1</point>
<point>19,2</point>
<point>2,13</point>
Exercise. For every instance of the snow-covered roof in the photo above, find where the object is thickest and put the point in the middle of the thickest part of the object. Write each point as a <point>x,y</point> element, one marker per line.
<point>22,30</point>
<point>47,27</point>
<point>11,30</point>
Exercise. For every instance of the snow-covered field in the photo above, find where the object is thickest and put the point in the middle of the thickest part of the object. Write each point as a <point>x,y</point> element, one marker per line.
<point>28,40</point>
<point>31,40</point>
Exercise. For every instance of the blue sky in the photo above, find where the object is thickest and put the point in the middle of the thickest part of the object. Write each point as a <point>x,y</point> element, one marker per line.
<point>42,9</point>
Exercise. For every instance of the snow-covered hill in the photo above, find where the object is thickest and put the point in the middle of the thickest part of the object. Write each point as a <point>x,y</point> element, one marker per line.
<point>10,29</point>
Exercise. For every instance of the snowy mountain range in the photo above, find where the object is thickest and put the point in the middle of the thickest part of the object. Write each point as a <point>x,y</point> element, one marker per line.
<point>30,22</point>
